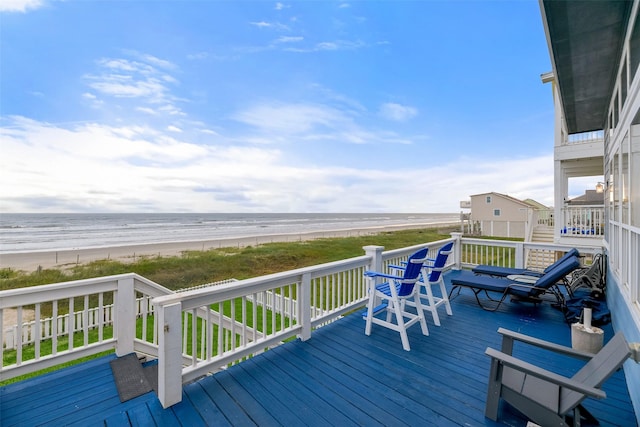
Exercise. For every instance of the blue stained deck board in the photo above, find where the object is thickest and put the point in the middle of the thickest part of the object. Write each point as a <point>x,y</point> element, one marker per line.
<point>205,407</point>
<point>304,408</point>
<point>240,386</point>
<point>338,377</point>
<point>417,390</point>
<point>185,412</point>
<point>226,402</point>
<point>286,414</point>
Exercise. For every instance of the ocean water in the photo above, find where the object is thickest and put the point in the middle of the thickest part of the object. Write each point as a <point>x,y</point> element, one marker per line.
<point>47,232</point>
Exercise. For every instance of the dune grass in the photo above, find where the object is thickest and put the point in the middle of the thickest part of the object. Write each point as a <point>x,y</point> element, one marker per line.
<point>197,267</point>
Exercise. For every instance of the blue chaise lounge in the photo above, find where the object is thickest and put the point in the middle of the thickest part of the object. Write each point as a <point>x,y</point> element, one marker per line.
<point>522,288</point>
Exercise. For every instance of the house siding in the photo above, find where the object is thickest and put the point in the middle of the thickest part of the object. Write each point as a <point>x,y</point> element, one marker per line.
<point>510,223</point>
<point>622,319</point>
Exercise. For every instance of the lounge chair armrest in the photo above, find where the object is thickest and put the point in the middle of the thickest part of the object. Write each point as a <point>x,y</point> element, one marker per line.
<point>509,336</point>
<point>544,374</point>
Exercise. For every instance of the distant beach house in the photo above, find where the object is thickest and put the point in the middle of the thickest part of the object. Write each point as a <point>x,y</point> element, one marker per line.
<point>500,215</point>
<point>590,197</point>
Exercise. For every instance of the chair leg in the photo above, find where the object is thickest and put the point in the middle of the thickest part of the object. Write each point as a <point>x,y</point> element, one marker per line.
<point>370,306</point>
<point>420,314</point>
<point>433,308</point>
<point>401,327</point>
<point>493,392</point>
<point>445,298</point>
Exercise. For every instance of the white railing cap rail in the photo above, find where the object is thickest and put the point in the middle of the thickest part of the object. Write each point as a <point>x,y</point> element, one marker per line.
<point>36,294</point>
<point>75,288</point>
<point>582,248</point>
<point>203,296</point>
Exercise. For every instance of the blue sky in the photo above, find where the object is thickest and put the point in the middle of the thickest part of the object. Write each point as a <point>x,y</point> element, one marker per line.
<point>262,106</point>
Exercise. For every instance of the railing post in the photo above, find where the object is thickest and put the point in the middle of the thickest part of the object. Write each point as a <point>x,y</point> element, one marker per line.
<point>375,252</point>
<point>125,316</point>
<point>457,250</point>
<point>520,261</point>
<point>304,307</point>
<point>169,354</point>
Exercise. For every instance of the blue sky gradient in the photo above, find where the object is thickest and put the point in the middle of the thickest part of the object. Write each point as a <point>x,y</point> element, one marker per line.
<point>261,106</point>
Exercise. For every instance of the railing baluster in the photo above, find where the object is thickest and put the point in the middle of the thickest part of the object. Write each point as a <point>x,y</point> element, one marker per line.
<point>19,336</point>
<point>244,320</point>
<point>70,324</point>
<point>185,331</point>
<point>85,320</point>
<point>37,331</point>
<point>194,337</point>
<point>144,311</point>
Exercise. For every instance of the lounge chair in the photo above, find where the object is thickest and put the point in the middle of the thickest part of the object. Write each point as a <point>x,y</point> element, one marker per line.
<point>496,271</point>
<point>394,293</point>
<point>431,276</point>
<point>531,290</point>
<point>545,397</point>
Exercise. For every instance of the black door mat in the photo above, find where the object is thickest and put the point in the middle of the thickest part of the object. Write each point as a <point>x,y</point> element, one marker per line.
<point>130,377</point>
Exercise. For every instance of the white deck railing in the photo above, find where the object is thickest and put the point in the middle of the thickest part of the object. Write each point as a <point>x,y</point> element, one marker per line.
<point>583,221</point>
<point>198,331</point>
<point>584,137</point>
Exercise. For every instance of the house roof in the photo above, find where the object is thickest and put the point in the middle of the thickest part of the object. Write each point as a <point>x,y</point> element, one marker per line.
<point>590,197</point>
<point>535,204</point>
<point>585,39</point>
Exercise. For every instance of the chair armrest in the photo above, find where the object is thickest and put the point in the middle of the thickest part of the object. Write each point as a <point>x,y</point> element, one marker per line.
<point>508,335</point>
<point>544,374</point>
<point>386,276</point>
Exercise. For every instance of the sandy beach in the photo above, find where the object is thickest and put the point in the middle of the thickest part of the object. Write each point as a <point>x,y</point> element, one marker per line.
<point>31,261</point>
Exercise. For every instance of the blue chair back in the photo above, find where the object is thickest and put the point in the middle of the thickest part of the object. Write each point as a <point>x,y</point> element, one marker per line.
<point>556,274</point>
<point>440,261</point>
<point>572,252</point>
<point>412,272</point>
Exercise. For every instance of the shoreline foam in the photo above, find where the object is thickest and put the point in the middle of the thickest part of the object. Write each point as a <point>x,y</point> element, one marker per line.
<point>32,261</point>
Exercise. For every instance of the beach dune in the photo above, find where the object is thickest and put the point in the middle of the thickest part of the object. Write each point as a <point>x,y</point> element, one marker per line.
<point>32,261</point>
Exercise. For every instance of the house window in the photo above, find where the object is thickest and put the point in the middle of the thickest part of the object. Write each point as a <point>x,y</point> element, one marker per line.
<point>488,199</point>
<point>496,212</point>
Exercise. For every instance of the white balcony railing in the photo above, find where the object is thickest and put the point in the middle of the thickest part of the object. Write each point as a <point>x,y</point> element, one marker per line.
<point>203,330</point>
<point>582,221</point>
<point>584,137</point>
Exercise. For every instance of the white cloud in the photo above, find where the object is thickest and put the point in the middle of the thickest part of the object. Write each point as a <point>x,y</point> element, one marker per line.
<point>285,39</point>
<point>20,5</point>
<point>135,168</point>
<point>147,110</point>
<point>397,112</point>
<point>290,118</point>
<point>273,25</point>
<point>174,129</point>
<point>198,55</point>
<point>142,81</point>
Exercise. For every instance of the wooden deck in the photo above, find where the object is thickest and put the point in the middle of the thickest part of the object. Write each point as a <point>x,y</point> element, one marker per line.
<point>338,377</point>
